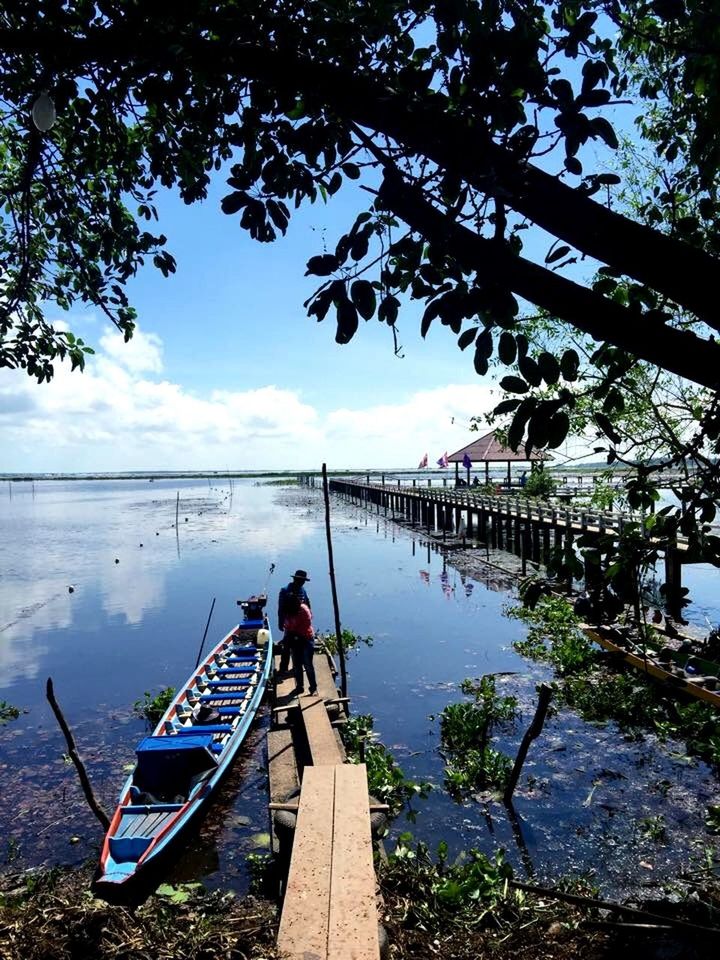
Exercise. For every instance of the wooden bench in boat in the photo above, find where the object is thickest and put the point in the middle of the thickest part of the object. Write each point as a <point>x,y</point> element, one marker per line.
<point>329,911</point>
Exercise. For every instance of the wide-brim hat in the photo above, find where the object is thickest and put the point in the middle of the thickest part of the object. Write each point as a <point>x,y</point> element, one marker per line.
<point>301,575</point>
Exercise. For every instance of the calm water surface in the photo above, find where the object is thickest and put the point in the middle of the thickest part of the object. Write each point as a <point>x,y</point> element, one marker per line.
<point>586,794</point>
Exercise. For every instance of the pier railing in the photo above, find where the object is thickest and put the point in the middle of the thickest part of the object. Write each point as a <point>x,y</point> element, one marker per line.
<point>507,504</point>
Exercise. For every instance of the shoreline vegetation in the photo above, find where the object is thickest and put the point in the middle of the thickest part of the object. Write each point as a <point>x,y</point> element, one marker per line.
<point>430,907</point>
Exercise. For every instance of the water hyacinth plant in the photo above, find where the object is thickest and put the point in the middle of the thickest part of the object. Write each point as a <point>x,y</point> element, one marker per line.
<point>554,635</point>
<point>465,730</point>
<point>151,708</point>
<point>386,780</point>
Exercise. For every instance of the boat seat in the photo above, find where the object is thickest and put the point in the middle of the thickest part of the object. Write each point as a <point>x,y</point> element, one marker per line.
<point>212,697</point>
<point>146,808</point>
<point>240,682</point>
<point>213,728</point>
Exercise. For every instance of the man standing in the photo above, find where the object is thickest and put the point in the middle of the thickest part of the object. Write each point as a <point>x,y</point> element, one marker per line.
<point>296,588</point>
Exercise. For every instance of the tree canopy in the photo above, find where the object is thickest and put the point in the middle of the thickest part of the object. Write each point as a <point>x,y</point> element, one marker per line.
<point>473,126</point>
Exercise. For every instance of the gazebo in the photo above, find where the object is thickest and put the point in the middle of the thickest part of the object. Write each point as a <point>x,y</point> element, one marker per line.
<point>487,450</point>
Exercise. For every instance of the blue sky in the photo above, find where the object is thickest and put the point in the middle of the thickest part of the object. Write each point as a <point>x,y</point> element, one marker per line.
<point>227,370</point>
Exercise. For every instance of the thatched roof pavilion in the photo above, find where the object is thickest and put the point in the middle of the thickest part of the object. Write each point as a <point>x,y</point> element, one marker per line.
<point>487,450</point>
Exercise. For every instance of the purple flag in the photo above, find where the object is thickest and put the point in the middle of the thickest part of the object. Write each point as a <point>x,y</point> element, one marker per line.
<point>467,462</point>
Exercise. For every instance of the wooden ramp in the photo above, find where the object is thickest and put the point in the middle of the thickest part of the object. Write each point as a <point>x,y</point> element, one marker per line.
<point>329,911</point>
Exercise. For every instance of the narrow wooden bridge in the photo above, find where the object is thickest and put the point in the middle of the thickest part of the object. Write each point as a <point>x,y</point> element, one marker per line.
<point>321,827</point>
<point>461,517</point>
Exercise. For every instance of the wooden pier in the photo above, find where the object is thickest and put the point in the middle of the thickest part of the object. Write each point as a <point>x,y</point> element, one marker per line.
<point>320,814</point>
<point>460,517</point>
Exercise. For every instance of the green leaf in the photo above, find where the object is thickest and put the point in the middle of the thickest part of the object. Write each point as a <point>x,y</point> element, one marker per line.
<point>347,322</point>
<point>593,98</point>
<point>557,254</point>
<point>507,348</point>
<point>530,370</point>
<point>506,406</point>
<point>234,202</point>
<point>363,296</point>
<point>297,111</point>
<point>606,426</point>
<point>467,337</point>
<point>603,129</point>
<point>573,165</point>
<point>388,310</point>
<point>570,365</point>
<point>351,170</point>
<point>322,266</point>
<point>557,429</point>
<point>517,427</point>
<point>549,367</point>
<point>320,305</point>
<point>514,385</point>
<point>431,311</point>
<point>484,345</point>
<point>480,362</point>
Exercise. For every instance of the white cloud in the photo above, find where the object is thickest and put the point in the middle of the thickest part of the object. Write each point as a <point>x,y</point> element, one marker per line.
<point>120,414</point>
<point>142,354</point>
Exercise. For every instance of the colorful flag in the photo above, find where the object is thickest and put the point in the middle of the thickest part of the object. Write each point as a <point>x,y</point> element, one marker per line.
<point>443,461</point>
<point>467,462</point>
<point>423,463</point>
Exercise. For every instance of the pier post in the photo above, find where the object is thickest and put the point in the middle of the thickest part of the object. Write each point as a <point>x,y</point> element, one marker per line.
<point>516,536</point>
<point>569,540</point>
<point>673,581</point>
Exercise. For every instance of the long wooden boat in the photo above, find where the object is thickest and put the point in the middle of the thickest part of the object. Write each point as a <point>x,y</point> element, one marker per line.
<point>678,669</point>
<point>179,766</point>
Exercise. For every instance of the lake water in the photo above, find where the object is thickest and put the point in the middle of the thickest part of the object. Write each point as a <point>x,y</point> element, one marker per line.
<point>141,595</point>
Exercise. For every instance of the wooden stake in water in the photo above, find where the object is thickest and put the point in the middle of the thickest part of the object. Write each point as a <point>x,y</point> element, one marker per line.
<point>75,757</point>
<point>338,631</point>
<point>533,731</point>
<point>177,509</point>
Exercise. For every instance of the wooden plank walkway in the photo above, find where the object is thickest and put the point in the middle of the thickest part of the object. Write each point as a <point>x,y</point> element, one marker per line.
<point>289,750</point>
<point>323,742</point>
<point>330,909</point>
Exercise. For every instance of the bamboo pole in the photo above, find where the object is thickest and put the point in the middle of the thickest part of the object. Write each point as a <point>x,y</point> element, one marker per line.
<point>75,757</point>
<point>207,625</point>
<point>533,731</point>
<point>333,586</point>
<point>177,509</point>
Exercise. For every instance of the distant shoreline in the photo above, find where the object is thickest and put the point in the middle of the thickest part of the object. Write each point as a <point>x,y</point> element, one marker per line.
<point>255,474</point>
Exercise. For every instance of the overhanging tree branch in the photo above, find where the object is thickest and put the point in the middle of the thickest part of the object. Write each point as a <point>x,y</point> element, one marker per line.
<point>679,351</point>
<point>423,123</point>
